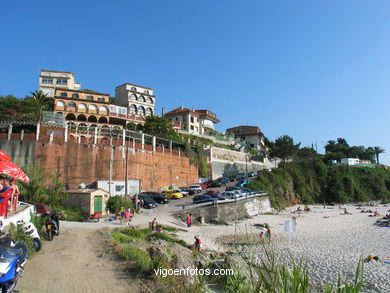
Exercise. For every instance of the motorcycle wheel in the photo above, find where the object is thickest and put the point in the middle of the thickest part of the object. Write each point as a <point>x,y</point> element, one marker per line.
<point>37,244</point>
<point>50,235</point>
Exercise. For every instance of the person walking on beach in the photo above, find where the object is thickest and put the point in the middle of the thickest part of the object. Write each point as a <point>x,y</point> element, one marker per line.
<point>189,221</point>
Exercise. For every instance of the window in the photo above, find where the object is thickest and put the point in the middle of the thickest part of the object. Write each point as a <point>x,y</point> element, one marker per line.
<point>47,80</point>
<point>133,109</point>
<point>192,119</point>
<point>141,111</point>
<point>60,104</point>
<point>177,118</point>
<point>75,96</point>
<point>133,89</point>
<point>149,112</point>
<point>90,98</point>
<point>146,92</point>
<point>61,81</point>
<point>149,100</point>
<point>192,127</point>
<point>71,104</point>
<point>141,99</point>
<point>64,94</point>
<point>103,109</point>
<point>92,107</point>
<point>133,97</point>
<point>82,106</point>
<point>119,188</point>
<point>101,99</point>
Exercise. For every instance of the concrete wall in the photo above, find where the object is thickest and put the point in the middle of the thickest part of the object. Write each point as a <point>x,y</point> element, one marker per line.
<point>220,213</point>
<point>75,163</point>
<point>227,169</point>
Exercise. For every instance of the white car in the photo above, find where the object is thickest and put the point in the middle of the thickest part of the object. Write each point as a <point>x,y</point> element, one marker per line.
<point>195,188</point>
<point>230,194</point>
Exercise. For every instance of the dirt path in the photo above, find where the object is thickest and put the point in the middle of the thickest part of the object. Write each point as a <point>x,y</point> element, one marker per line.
<point>75,261</point>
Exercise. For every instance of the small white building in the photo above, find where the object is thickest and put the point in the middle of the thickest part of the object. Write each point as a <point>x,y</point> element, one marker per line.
<point>119,188</point>
<point>50,80</point>
<point>350,161</point>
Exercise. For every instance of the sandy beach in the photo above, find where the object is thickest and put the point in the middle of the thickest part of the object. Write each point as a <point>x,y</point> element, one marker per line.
<point>328,241</point>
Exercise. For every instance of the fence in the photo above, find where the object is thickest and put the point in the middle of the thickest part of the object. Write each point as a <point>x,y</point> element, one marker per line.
<point>47,132</point>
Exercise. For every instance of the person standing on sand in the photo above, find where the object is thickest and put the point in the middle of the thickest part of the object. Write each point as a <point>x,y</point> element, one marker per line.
<point>189,221</point>
<point>154,225</point>
<point>15,195</point>
<point>268,234</point>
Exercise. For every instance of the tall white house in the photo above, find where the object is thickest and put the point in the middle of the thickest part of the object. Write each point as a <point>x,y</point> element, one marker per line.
<point>139,100</point>
<point>197,122</point>
<point>50,80</point>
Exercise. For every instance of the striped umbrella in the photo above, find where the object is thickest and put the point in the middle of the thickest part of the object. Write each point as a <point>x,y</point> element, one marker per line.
<point>4,156</point>
<point>13,170</point>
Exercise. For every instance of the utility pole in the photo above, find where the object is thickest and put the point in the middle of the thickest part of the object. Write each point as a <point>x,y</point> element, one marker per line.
<point>126,169</point>
<point>110,166</point>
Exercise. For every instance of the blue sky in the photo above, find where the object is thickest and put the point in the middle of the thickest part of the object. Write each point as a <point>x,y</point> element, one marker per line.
<point>315,70</point>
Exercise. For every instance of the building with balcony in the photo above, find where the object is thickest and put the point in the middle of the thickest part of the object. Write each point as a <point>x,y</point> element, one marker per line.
<point>250,135</point>
<point>82,107</point>
<point>197,122</point>
<point>138,100</point>
<point>50,80</point>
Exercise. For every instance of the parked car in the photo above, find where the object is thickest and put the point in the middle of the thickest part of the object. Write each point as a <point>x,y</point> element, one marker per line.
<point>215,183</point>
<point>157,197</point>
<point>171,194</point>
<point>149,203</point>
<point>240,176</point>
<point>252,174</point>
<point>195,188</point>
<point>202,180</point>
<point>41,208</point>
<point>204,186</point>
<point>215,194</point>
<point>183,192</point>
<point>232,188</point>
<point>242,183</point>
<point>230,195</point>
<point>203,198</point>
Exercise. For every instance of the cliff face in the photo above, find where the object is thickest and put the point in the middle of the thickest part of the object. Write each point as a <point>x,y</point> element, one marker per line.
<point>313,182</point>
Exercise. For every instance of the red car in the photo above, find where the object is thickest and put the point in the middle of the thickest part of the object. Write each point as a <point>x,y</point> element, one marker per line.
<point>204,186</point>
<point>41,208</point>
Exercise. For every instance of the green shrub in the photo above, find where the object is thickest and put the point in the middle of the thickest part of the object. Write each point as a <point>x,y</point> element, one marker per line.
<point>116,203</point>
<point>17,233</point>
<point>169,238</point>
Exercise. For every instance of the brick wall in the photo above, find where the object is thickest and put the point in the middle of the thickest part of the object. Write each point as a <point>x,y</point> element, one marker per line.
<point>75,163</point>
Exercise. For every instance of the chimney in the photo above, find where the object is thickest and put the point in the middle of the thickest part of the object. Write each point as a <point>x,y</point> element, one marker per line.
<point>162,112</point>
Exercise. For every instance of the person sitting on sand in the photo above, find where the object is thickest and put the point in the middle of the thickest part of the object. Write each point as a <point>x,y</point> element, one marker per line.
<point>307,209</point>
<point>346,212</point>
<point>262,236</point>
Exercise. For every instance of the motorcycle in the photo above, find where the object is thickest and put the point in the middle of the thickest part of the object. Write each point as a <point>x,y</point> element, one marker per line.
<point>31,231</point>
<point>52,225</point>
<point>13,257</point>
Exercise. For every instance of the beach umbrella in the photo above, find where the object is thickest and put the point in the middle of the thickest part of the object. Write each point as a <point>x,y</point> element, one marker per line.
<point>13,170</point>
<point>4,156</point>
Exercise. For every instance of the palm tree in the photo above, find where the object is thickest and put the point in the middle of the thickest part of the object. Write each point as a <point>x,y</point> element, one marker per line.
<point>38,103</point>
<point>378,150</point>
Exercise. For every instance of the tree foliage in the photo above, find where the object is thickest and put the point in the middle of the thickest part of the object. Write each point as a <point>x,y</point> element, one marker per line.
<point>159,126</point>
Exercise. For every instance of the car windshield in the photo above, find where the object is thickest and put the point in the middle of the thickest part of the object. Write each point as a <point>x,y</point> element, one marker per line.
<point>194,186</point>
<point>8,254</point>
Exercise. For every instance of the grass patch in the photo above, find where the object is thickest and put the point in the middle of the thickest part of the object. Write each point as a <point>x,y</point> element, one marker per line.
<point>141,258</point>
<point>135,234</point>
<point>169,238</point>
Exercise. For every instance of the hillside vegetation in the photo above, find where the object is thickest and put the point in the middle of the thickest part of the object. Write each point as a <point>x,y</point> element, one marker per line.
<point>305,177</point>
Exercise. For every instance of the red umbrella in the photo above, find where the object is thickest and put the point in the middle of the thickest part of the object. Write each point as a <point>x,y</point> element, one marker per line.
<point>13,170</point>
<point>4,156</point>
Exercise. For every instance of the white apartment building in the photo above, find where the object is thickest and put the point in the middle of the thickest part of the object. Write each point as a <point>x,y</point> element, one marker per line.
<point>50,80</point>
<point>350,161</point>
<point>138,100</point>
<point>197,122</point>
